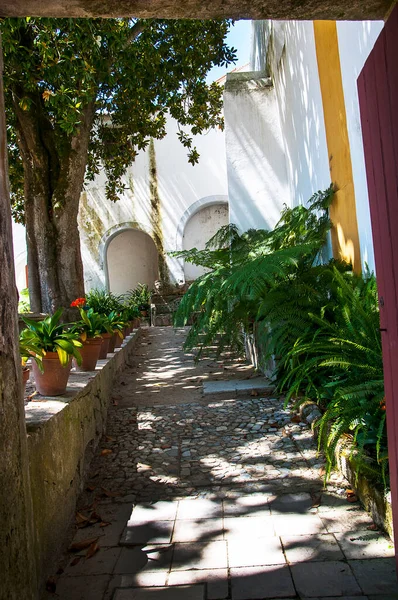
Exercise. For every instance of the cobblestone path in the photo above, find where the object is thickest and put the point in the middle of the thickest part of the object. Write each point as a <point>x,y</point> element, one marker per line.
<point>227,493</point>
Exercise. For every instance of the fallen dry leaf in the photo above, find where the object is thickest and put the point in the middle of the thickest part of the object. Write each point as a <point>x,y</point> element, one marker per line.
<point>60,571</point>
<point>105,451</point>
<point>93,549</point>
<point>296,419</point>
<point>32,396</point>
<point>90,488</point>
<point>372,527</point>
<point>104,524</point>
<point>75,561</point>
<point>80,518</point>
<point>95,518</point>
<point>78,546</point>
<point>109,439</point>
<point>254,393</point>
<point>51,585</point>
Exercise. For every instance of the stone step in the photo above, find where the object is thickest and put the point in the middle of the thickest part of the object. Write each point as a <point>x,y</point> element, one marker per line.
<point>185,592</point>
<point>238,387</point>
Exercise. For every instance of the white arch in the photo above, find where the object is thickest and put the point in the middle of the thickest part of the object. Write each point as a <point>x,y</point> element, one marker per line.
<point>108,237</point>
<point>192,210</point>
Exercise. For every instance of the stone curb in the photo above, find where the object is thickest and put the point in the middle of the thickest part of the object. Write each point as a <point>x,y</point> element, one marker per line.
<point>375,501</point>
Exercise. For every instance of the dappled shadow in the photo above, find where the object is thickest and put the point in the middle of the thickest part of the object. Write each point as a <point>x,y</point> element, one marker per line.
<point>178,499</point>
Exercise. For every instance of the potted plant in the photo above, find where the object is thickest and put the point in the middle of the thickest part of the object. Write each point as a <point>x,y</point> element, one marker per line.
<point>103,302</point>
<point>53,350</point>
<point>132,316</point>
<point>89,329</point>
<point>106,334</point>
<point>141,298</point>
<point>117,325</point>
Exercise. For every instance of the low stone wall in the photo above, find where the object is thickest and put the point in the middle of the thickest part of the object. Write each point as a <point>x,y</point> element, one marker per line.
<point>374,500</point>
<point>63,434</point>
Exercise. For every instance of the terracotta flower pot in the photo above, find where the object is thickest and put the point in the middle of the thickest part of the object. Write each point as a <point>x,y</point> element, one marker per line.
<point>118,342</point>
<point>112,342</point>
<point>90,352</point>
<point>105,344</point>
<point>25,378</point>
<point>126,331</point>
<point>54,380</point>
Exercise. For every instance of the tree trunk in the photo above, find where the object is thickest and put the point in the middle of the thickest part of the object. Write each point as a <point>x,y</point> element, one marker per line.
<point>53,184</point>
<point>17,565</point>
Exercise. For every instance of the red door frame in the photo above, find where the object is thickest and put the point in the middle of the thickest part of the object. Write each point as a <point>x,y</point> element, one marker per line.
<point>378,100</point>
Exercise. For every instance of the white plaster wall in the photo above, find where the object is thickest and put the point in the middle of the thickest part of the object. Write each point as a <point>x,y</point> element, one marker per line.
<point>132,258</point>
<point>356,40</point>
<point>257,181</point>
<point>199,229</point>
<point>180,185</point>
<point>287,50</point>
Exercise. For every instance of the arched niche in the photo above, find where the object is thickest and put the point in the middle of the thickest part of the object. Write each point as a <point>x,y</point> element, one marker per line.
<point>131,257</point>
<point>199,228</point>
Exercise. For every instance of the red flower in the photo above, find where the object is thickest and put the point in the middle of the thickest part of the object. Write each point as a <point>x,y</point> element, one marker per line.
<point>78,302</point>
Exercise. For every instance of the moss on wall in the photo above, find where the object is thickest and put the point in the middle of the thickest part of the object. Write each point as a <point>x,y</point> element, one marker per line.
<point>156,220</point>
<point>91,225</point>
<point>131,188</point>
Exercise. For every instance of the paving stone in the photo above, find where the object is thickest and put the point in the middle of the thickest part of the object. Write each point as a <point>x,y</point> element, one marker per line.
<point>247,506</point>
<point>376,575</point>
<point>216,581</point>
<point>148,558</point>
<point>202,530</point>
<point>152,579</point>
<point>311,547</point>
<point>196,592</point>
<point>262,582</point>
<point>244,528</point>
<point>316,578</point>
<point>202,508</point>
<point>116,515</point>
<point>338,521</point>
<point>90,587</point>
<point>365,544</point>
<point>103,562</point>
<point>290,524</point>
<point>212,555</point>
<point>155,532</point>
<point>291,503</point>
<point>255,552</point>
<point>158,511</point>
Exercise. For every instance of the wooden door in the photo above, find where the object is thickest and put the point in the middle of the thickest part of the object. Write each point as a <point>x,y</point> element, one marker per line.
<point>378,98</point>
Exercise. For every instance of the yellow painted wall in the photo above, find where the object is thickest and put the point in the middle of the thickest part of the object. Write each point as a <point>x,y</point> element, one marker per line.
<point>345,238</point>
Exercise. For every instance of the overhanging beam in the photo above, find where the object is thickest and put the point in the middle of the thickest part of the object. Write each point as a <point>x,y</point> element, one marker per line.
<point>201,9</point>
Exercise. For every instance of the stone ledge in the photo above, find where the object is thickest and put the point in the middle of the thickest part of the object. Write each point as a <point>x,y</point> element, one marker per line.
<point>63,434</point>
<point>376,502</point>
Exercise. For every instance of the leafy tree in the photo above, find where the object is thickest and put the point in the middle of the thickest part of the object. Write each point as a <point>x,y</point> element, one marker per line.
<point>82,94</point>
